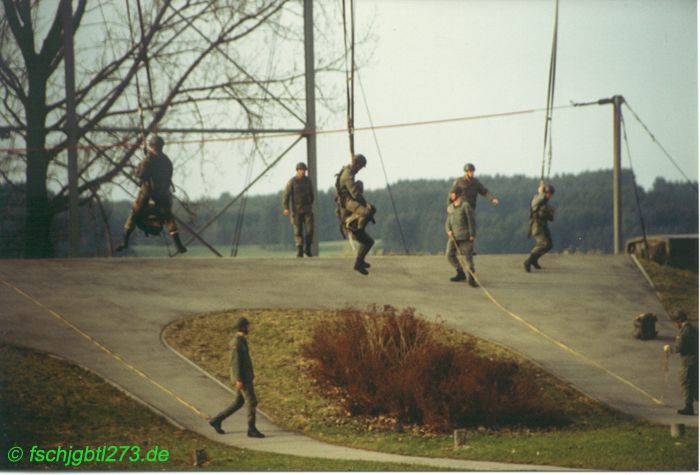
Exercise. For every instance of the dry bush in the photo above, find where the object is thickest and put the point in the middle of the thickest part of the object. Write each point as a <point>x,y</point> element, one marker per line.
<point>388,362</point>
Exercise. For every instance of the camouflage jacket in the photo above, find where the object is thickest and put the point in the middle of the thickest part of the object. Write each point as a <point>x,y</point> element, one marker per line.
<point>241,366</point>
<point>460,220</point>
<point>300,192</point>
<point>470,190</point>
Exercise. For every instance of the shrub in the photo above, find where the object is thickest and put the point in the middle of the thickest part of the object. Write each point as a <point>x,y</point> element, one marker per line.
<point>389,362</point>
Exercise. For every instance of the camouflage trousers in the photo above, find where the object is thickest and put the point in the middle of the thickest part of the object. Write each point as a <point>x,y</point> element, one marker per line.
<point>689,380</point>
<point>466,249</point>
<point>543,243</point>
<point>359,214</point>
<point>303,224</point>
<point>243,396</point>
<point>163,202</point>
<point>365,242</point>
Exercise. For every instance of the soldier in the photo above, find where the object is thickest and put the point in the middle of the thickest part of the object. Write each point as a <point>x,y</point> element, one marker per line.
<point>241,372</point>
<point>354,211</point>
<point>155,173</point>
<point>540,215</point>
<point>471,186</point>
<point>461,231</point>
<point>301,193</point>
<point>687,346</point>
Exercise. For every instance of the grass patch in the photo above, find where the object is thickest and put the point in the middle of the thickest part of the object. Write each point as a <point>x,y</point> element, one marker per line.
<point>597,438</point>
<point>677,288</point>
<point>48,402</point>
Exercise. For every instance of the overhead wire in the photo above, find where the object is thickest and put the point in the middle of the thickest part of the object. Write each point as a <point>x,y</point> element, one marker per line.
<point>655,140</point>
<point>634,185</point>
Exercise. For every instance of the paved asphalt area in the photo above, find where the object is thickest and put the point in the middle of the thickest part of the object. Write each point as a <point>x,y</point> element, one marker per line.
<point>573,318</point>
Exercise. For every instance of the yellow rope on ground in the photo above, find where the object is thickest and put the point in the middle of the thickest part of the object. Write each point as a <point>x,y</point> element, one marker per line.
<point>105,349</point>
<point>539,332</point>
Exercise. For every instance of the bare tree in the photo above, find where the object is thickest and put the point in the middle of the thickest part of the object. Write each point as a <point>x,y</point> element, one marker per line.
<point>161,63</point>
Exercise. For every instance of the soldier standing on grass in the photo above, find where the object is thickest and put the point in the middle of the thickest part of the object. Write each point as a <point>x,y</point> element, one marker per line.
<point>461,231</point>
<point>242,376</point>
<point>354,211</point>
<point>540,215</point>
<point>301,193</point>
<point>155,173</point>
<point>687,347</point>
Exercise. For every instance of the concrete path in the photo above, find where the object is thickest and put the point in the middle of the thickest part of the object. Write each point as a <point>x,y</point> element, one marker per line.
<point>108,314</point>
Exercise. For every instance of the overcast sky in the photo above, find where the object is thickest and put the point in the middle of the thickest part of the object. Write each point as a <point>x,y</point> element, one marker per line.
<point>441,59</point>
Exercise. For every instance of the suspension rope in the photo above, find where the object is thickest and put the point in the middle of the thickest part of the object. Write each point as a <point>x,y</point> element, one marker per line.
<point>241,212</point>
<point>634,184</point>
<point>653,138</point>
<point>547,148</point>
<point>350,71</point>
<point>381,160</point>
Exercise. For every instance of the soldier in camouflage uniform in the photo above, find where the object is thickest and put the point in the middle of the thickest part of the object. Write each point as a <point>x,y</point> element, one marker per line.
<point>461,231</point>
<point>687,347</point>
<point>155,174</point>
<point>300,192</point>
<point>241,372</point>
<point>471,187</point>
<point>540,215</point>
<point>355,211</point>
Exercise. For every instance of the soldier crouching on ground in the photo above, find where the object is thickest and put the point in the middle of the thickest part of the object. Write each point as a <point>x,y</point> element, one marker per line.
<point>541,213</point>
<point>241,371</point>
<point>300,191</point>
<point>461,231</point>
<point>354,211</point>
<point>155,173</point>
<point>687,347</point>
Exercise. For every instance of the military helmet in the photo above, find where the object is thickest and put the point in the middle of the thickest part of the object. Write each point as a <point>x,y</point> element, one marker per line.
<point>301,165</point>
<point>679,316</point>
<point>469,167</point>
<point>457,191</point>
<point>359,159</point>
<point>549,189</point>
<point>156,142</point>
<point>241,324</point>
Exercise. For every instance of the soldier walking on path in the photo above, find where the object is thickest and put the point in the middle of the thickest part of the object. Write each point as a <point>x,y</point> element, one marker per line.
<point>241,371</point>
<point>461,231</point>
<point>687,347</point>
<point>471,187</point>
<point>354,211</point>
<point>541,213</point>
<point>155,174</point>
<point>300,192</point>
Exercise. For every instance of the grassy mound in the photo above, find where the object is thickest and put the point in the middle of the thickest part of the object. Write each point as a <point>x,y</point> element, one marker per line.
<point>596,438</point>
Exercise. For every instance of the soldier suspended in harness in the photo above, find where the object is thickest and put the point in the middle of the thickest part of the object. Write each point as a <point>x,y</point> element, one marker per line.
<point>152,207</point>
<point>541,213</point>
<point>354,211</point>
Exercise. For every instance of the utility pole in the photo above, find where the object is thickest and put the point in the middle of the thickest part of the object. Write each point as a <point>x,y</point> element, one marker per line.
<point>310,131</point>
<point>617,102</point>
<point>71,128</point>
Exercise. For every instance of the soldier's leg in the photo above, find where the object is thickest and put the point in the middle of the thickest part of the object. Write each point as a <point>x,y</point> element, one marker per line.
<point>359,215</point>
<point>308,232</point>
<point>545,245</point>
<point>237,403</point>
<point>365,243</point>
<point>686,390</point>
<point>454,261</point>
<point>467,249</point>
<point>139,203</point>
<point>165,205</point>
<point>298,224</point>
<point>252,402</point>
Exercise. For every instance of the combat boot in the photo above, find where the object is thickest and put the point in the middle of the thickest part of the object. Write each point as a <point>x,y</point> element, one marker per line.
<point>686,411</point>
<point>216,424</point>
<point>360,267</point>
<point>527,263</point>
<point>178,244</point>
<point>535,263</point>
<point>300,251</point>
<point>254,432</point>
<point>459,277</point>
<point>472,281</point>
<point>307,249</point>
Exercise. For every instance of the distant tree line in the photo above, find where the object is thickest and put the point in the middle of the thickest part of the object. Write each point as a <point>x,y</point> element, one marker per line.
<point>583,219</point>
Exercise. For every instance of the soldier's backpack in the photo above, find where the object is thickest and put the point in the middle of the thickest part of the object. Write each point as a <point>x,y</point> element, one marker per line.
<point>340,210</point>
<point>645,326</point>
